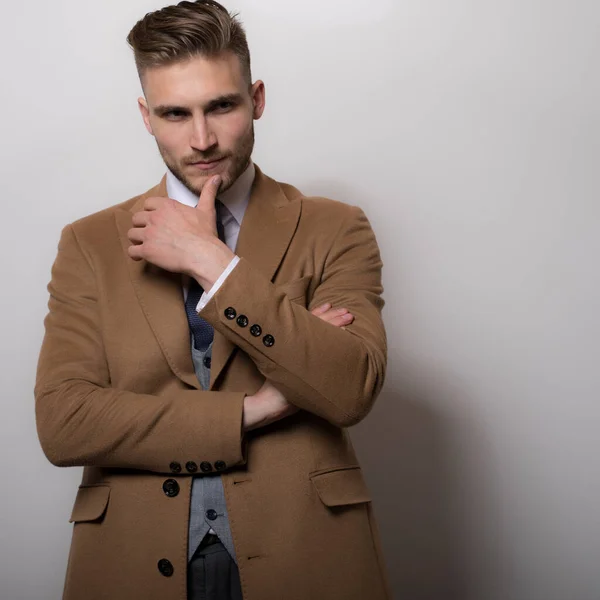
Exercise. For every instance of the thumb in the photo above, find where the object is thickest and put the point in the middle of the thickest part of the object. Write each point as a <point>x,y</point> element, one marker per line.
<point>209,193</point>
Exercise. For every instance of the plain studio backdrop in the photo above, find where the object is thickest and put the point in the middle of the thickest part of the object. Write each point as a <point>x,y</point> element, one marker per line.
<point>468,132</point>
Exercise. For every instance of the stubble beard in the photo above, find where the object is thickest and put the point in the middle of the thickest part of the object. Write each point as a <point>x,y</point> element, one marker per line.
<point>239,161</point>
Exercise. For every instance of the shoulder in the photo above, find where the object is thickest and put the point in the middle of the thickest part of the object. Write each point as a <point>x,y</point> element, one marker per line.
<point>321,207</point>
<point>94,226</point>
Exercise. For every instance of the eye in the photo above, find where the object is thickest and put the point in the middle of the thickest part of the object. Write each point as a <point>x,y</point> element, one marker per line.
<point>174,114</point>
<point>224,106</point>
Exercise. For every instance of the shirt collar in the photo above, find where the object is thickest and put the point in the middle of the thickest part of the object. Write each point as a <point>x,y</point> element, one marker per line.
<point>236,198</point>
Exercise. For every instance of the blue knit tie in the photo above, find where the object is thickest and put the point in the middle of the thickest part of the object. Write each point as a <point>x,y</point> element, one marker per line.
<point>202,330</point>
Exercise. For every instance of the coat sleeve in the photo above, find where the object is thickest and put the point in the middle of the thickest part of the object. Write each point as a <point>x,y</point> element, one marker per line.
<point>332,372</point>
<point>83,421</point>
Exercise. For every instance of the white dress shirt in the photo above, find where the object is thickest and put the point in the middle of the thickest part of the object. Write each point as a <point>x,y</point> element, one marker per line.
<point>236,199</point>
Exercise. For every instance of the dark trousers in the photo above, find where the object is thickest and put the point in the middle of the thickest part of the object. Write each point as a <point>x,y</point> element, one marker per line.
<point>212,573</point>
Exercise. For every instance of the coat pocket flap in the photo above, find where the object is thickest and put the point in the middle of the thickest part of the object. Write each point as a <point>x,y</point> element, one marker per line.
<point>342,486</point>
<point>90,503</point>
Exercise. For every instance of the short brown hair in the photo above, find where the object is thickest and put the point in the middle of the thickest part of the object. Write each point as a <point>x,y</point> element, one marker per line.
<point>187,30</point>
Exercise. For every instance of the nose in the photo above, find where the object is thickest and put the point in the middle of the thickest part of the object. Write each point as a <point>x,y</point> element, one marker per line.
<point>203,138</point>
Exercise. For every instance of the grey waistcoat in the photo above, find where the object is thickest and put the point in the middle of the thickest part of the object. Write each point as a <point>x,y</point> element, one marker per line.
<point>208,496</point>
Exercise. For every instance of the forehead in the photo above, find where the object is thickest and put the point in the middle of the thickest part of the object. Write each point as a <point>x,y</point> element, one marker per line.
<point>196,80</point>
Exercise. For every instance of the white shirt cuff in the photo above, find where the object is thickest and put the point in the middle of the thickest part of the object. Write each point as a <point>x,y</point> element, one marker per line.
<point>206,296</point>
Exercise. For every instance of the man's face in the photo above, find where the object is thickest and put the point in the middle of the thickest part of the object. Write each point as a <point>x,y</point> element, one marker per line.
<point>201,113</point>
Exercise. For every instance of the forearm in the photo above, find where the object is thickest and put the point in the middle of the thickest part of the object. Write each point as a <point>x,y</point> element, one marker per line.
<point>81,424</point>
<point>83,419</point>
<point>323,369</point>
<point>334,373</point>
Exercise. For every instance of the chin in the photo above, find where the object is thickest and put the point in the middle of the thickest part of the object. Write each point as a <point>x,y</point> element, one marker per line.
<point>200,180</point>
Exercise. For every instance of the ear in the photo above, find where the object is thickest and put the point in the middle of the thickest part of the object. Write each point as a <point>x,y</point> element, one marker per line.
<point>258,94</point>
<point>145,112</point>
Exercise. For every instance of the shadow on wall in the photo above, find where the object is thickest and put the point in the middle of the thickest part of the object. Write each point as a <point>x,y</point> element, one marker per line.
<point>405,449</point>
<point>417,462</point>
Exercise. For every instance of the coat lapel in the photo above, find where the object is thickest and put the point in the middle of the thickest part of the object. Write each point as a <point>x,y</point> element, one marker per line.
<point>266,232</point>
<point>160,295</point>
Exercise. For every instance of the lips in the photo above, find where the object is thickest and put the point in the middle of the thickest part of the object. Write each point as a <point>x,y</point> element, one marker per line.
<point>206,166</point>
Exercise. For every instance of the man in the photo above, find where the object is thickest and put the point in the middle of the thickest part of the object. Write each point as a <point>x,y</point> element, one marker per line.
<point>194,364</point>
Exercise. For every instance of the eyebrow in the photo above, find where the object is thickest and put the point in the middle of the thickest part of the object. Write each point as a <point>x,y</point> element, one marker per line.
<point>165,108</point>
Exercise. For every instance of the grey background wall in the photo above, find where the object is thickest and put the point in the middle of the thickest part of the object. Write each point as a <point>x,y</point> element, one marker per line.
<point>468,131</point>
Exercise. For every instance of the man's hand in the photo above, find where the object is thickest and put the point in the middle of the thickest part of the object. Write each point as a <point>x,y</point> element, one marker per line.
<point>269,404</point>
<point>336,316</point>
<point>182,239</point>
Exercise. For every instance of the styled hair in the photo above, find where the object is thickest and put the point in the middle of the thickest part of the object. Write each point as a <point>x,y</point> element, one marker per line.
<point>187,30</point>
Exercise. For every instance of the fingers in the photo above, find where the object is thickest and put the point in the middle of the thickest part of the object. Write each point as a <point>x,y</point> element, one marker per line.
<point>342,320</point>
<point>154,203</point>
<point>209,194</point>
<point>136,235</point>
<point>135,252</point>
<point>141,219</point>
<point>338,317</point>
<point>321,309</point>
<point>326,313</point>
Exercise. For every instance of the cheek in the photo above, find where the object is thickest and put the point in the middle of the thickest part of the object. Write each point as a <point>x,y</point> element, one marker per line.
<point>171,139</point>
<point>232,131</point>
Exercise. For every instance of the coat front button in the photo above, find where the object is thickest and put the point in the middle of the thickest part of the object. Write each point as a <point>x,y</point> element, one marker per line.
<point>211,514</point>
<point>269,341</point>
<point>220,465</point>
<point>205,467</point>
<point>171,488</point>
<point>175,467</point>
<point>242,321</point>
<point>256,330</point>
<point>207,361</point>
<point>191,466</point>
<point>165,567</point>
<point>230,313</point>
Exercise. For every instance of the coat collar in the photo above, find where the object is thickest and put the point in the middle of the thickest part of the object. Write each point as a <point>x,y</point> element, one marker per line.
<point>266,232</point>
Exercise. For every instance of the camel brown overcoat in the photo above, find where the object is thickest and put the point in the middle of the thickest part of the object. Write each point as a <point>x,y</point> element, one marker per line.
<point>116,393</point>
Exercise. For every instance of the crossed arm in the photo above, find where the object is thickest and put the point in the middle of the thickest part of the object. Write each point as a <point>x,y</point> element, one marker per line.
<point>269,404</point>
<point>83,420</point>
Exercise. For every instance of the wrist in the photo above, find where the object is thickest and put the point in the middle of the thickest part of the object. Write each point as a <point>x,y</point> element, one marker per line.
<point>206,270</point>
<point>253,416</point>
